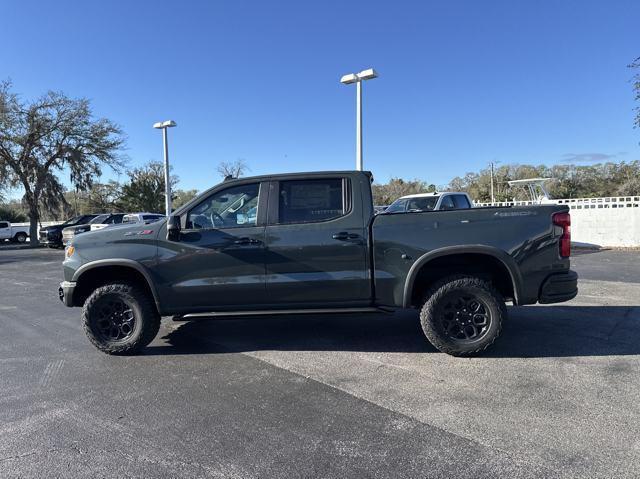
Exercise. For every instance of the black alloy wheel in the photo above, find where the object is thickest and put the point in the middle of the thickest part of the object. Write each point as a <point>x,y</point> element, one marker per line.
<point>464,316</point>
<point>115,319</point>
<point>120,318</point>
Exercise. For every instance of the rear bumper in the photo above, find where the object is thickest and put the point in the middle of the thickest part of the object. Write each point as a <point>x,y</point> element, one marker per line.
<point>65,292</point>
<point>559,287</point>
<point>50,241</point>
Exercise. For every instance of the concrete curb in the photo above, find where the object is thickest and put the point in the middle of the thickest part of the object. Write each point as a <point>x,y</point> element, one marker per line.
<point>11,247</point>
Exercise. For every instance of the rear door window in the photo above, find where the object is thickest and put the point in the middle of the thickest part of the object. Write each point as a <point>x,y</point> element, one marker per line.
<point>306,201</point>
<point>461,202</point>
<point>447,203</point>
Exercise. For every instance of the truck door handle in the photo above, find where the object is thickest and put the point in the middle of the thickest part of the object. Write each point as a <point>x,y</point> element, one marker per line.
<point>247,241</point>
<point>344,236</point>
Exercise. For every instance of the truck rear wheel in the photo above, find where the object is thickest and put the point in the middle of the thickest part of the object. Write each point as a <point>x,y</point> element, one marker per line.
<point>120,318</point>
<point>20,237</point>
<point>462,315</point>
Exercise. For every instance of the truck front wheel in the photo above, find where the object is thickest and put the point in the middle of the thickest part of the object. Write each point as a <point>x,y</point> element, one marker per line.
<point>462,315</point>
<point>120,318</point>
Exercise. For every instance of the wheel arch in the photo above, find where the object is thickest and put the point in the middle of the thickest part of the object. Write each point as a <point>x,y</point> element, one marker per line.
<point>464,255</point>
<point>20,234</point>
<point>97,273</point>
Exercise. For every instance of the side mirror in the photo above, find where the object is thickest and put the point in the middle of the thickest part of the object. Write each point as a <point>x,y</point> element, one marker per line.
<point>173,228</point>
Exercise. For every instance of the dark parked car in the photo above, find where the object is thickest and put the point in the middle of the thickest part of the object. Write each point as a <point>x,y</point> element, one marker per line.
<point>52,235</point>
<point>300,243</point>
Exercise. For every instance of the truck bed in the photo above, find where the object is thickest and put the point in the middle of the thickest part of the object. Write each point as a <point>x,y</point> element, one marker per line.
<point>523,238</point>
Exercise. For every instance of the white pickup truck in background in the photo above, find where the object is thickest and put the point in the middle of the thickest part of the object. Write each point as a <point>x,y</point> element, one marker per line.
<point>443,200</point>
<point>19,234</point>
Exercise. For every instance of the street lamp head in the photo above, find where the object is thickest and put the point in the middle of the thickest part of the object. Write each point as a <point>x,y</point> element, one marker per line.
<point>367,74</point>
<point>356,77</point>
<point>165,124</point>
<point>350,78</point>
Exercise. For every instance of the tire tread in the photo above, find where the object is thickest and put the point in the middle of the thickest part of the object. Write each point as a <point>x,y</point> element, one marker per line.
<point>445,286</point>
<point>150,317</point>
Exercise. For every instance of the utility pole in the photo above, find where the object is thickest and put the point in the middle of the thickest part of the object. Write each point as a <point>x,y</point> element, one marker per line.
<point>493,174</point>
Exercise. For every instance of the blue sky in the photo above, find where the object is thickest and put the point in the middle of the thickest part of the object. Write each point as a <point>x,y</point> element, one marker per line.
<point>461,83</point>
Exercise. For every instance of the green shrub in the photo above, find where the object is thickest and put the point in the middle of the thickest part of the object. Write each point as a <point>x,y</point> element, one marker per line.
<point>11,215</point>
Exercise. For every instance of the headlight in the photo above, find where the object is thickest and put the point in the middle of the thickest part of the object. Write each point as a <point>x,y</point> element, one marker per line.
<point>68,252</point>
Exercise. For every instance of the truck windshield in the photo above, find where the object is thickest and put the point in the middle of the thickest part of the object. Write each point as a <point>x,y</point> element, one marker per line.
<point>73,220</point>
<point>398,206</point>
<point>98,219</point>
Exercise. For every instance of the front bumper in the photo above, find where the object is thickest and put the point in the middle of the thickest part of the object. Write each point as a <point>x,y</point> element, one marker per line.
<point>559,287</point>
<point>65,292</point>
<point>48,240</point>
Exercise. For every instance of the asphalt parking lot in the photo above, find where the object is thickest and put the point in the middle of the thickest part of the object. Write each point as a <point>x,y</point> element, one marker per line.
<point>323,396</point>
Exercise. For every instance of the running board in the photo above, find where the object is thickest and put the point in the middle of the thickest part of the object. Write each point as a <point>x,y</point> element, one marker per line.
<point>272,312</point>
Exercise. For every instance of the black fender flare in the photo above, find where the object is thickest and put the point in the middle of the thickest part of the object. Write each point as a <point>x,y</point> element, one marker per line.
<point>507,261</point>
<point>129,263</point>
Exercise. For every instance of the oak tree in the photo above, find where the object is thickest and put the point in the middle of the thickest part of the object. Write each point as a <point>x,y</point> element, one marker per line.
<point>51,135</point>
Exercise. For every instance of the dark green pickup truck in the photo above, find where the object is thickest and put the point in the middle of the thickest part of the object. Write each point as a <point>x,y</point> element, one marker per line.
<point>310,242</point>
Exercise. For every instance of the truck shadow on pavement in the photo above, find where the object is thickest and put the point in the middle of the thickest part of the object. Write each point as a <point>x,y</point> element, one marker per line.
<point>547,331</point>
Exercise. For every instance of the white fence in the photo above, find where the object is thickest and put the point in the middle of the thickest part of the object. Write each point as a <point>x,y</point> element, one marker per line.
<point>608,221</point>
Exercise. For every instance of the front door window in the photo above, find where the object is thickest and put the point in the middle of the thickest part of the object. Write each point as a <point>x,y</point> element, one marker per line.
<point>234,207</point>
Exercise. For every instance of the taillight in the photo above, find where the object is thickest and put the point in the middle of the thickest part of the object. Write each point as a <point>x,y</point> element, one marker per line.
<point>564,221</point>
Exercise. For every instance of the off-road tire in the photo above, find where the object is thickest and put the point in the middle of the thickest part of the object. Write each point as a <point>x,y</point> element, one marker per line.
<point>432,319</point>
<point>146,317</point>
<point>20,238</point>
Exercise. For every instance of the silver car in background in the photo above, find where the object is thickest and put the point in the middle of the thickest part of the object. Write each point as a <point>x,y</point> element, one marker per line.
<point>444,200</point>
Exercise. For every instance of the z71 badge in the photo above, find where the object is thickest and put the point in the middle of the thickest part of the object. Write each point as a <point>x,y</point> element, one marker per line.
<point>136,233</point>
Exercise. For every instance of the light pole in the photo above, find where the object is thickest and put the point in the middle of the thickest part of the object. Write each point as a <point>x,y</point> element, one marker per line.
<point>492,198</point>
<point>163,125</point>
<point>493,163</point>
<point>358,78</point>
